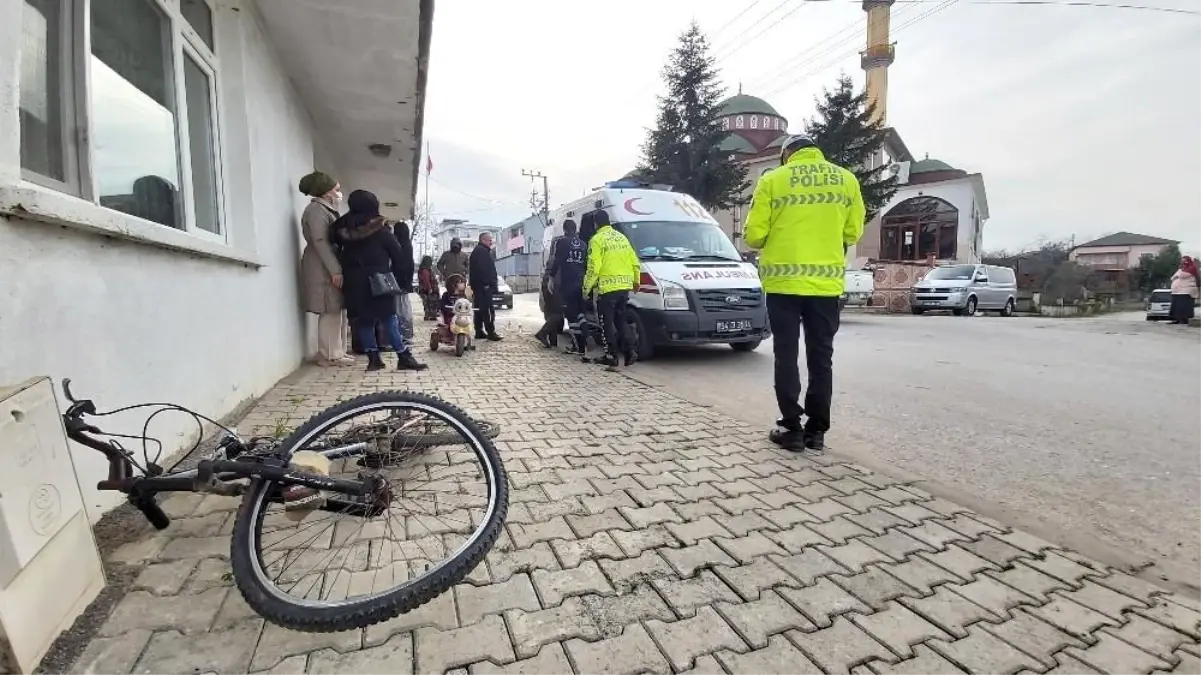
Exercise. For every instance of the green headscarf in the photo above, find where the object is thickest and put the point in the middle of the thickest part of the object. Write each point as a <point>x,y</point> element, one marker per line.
<point>316,184</point>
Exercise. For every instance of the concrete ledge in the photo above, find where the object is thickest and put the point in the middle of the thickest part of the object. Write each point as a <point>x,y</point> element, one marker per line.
<point>36,204</point>
<point>1194,322</point>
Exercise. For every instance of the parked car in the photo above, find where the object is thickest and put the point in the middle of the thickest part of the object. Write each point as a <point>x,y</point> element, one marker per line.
<point>503,297</point>
<point>859,287</point>
<point>966,289</point>
<point>1159,305</point>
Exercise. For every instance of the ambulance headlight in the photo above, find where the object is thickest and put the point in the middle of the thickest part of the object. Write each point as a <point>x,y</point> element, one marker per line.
<point>674,296</point>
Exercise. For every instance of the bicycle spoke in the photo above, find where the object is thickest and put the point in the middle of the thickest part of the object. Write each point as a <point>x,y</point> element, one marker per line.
<point>436,490</point>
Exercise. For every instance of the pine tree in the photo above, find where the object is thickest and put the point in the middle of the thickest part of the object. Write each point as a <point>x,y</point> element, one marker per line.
<point>846,135</point>
<point>682,148</point>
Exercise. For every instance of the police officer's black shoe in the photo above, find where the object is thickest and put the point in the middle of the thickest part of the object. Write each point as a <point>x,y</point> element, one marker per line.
<point>792,440</point>
<point>543,339</point>
<point>631,357</point>
<point>815,441</point>
<point>608,360</point>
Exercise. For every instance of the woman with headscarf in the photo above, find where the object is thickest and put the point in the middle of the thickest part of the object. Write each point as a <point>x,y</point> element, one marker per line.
<point>320,271</point>
<point>375,267</point>
<point>1185,284</point>
<point>404,305</point>
<point>427,288</point>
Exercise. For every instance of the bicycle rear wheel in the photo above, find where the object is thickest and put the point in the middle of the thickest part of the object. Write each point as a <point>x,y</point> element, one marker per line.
<point>323,571</point>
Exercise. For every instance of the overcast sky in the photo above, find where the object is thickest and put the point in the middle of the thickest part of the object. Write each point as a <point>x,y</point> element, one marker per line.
<point>1084,121</point>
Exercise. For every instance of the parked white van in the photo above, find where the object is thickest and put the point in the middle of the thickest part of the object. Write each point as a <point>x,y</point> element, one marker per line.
<point>694,287</point>
<point>966,289</point>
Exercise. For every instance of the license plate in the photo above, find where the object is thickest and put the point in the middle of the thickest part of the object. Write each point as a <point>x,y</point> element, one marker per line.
<point>736,326</point>
<point>930,303</point>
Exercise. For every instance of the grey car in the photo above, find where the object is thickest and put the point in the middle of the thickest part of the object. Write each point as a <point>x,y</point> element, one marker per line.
<point>966,289</point>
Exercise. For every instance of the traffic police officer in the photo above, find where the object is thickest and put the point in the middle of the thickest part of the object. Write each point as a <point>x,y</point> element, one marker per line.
<point>803,217</point>
<point>612,270</point>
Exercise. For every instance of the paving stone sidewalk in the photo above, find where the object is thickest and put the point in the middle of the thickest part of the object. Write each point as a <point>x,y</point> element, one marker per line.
<point>649,534</point>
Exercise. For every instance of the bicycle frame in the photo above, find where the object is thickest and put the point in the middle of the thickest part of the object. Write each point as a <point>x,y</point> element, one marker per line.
<point>213,475</point>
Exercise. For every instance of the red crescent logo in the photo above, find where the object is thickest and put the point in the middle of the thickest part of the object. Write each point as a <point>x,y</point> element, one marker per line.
<point>630,207</point>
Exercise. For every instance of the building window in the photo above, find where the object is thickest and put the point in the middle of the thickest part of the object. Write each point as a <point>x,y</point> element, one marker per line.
<point>135,160</point>
<point>43,105</point>
<point>152,148</point>
<point>918,228</point>
<point>199,18</point>
<point>198,89</point>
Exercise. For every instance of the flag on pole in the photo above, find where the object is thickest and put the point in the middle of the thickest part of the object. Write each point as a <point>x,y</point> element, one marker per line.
<point>429,164</point>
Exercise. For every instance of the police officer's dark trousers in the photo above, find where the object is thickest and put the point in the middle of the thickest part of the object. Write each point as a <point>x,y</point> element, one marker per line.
<point>612,310</point>
<point>816,318</point>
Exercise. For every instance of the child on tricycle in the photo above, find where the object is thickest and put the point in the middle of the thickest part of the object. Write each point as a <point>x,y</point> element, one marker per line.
<point>455,327</point>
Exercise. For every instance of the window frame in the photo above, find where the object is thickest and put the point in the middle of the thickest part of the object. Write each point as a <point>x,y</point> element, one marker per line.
<point>72,60</point>
<point>75,83</point>
<point>188,48</point>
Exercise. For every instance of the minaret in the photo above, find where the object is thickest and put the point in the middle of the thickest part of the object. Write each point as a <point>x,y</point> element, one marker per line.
<point>878,56</point>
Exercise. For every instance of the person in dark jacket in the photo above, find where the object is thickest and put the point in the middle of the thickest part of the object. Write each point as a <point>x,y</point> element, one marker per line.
<point>427,288</point>
<point>453,261</point>
<point>404,304</point>
<point>566,273</point>
<point>481,275</point>
<point>370,249</point>
<point>552,311</point>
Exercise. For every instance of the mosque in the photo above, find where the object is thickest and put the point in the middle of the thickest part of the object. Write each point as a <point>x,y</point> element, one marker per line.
<point>938,210</point>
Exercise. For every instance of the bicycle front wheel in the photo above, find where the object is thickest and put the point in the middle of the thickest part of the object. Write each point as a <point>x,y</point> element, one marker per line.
<point>436,514</point>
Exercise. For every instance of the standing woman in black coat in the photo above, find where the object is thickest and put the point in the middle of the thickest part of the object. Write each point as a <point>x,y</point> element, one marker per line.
<point>371,249</point>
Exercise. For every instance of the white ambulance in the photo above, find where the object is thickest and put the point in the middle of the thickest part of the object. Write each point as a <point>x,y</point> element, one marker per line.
<point>695,288</point>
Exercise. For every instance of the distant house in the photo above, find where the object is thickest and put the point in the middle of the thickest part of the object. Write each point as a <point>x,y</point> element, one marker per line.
<point>1119,251</point>
<point>465,232</point>
<point>519,253</point>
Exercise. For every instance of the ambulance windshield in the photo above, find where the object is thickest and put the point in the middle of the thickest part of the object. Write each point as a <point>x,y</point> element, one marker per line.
<point>677,240</point>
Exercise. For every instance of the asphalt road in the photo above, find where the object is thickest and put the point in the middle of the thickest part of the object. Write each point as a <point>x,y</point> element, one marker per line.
<point>1085,431</point>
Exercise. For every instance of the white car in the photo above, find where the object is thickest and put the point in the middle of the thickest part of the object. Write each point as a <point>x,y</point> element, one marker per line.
<point>859,287</point>
<point>503,297</point>
<point>1159,305</point>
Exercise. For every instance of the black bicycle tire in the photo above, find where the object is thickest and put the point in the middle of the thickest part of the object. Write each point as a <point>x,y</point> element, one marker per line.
<point>404,441</point>
<point>374,610</point>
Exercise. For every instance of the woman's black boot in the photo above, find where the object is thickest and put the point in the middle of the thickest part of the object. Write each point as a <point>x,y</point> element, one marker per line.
<point>374,362</point>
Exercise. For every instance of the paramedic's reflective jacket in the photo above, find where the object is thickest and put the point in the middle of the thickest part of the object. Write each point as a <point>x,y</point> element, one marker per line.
<point>803,216</point>
<point>612,263</point>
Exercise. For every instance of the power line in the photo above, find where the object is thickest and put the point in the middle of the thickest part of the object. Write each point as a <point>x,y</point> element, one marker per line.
<point>718,55</point>
<point>736,18</point>
<point>490,200</point>
<point>792,62</point>
<point>848,33</point>
<point>817,69</point>
<point>1069,3</point>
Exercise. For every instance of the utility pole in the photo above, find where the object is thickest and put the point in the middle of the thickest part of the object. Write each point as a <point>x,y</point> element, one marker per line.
<point>545,194</point>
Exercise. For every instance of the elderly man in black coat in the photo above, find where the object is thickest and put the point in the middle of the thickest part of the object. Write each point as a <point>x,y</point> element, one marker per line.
<point>481,275</point>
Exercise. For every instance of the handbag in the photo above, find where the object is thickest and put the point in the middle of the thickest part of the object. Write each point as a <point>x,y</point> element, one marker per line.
<point>383,284</point>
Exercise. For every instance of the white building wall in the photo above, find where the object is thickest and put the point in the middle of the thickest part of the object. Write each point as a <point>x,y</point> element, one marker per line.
<point>135,322</point>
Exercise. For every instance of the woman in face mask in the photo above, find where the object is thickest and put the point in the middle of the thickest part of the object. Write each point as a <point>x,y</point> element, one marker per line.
<point>320,271</point>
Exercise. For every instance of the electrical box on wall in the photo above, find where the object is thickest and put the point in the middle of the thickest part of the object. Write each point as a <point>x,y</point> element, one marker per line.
<point>50,569</point>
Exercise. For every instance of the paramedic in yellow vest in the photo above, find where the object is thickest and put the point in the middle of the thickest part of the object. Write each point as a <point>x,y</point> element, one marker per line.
<point>803,217</point>
<point>613,271</point>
